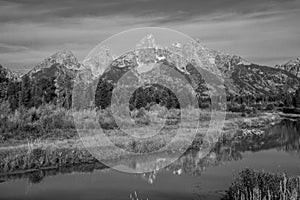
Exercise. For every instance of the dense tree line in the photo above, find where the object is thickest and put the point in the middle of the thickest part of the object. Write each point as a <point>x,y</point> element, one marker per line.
<point>296,99</point>
<point>153,94</point>
<point>4,81</point>
<point>33,92</point>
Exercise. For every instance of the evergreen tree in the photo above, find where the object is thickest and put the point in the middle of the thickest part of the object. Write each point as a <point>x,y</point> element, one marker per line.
<point>26,95</point>
<point>103,94</point>
<point>297,98</point>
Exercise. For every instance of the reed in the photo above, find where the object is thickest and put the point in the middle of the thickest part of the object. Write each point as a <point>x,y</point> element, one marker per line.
<point>258,185</point>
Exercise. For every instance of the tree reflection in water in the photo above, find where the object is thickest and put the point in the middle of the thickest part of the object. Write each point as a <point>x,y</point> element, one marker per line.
<point>135,196</point>
<point>284,136</point>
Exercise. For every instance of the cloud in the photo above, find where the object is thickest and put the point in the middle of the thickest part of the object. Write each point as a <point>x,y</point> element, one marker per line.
<point>265,31</point>
<point>51,11</point>
<point>11,48</point>
<point>40,41</point>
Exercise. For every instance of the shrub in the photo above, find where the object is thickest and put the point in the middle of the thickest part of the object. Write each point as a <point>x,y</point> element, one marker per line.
<point>162,111</point>
<point>234,107</point>
<point>270,106</point>
<point>204,105</point>
<point>142,117</point>
<point>174,114</point>
<point>4,113</point>
<point>4,109</point>
<point>55,118</point>
<point>34,122</point>
<point>106,120</point>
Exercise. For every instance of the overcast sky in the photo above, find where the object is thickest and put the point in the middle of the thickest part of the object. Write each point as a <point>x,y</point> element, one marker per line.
<point>262,31</point>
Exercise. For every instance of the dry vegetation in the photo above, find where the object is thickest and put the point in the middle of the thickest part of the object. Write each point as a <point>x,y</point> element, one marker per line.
<point>51,131</point>
<point>258,185</point>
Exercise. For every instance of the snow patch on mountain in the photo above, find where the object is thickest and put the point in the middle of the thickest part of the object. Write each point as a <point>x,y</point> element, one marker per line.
<point>293,66</point>
<point>65,58</point>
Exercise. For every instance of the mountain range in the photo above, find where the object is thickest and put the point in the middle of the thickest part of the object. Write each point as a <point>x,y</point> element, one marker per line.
<point>52,80</point>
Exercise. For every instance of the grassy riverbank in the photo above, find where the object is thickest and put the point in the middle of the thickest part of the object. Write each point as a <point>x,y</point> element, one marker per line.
<point>58,149</point>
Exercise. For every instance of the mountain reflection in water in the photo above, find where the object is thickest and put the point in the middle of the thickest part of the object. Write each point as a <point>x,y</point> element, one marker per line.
<point>284,136</point>
<point>192,176</point>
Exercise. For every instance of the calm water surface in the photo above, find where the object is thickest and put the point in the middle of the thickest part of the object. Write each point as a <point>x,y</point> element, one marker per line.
<point>189,178</point>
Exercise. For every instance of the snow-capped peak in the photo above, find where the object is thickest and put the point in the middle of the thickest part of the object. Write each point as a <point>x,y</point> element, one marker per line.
<point>99,61</point>
<point>64,57</point>
<point>293,66</point>
<point>147,42</point>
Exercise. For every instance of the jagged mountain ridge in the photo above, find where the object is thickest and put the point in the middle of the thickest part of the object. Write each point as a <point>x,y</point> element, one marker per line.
<point>241,77</point>
<point>293,66</point>
<point>51,81</point>
<point>165,78</point>
<point>245,78</point>
<point>64,58</point>
<point>58,73</point>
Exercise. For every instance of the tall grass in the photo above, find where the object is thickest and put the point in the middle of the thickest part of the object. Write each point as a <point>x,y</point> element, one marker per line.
<point>57,122</point>
<point>34,122</point>
<point>258,185</point>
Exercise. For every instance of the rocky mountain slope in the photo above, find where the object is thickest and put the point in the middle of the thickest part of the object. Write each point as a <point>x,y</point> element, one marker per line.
<point>63,58</point>
<point>292,66</point>
<point>246,78</point>
<point>243,80</point>
<point>51,81</point>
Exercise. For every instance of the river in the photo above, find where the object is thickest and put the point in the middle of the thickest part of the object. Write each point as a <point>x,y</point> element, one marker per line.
<point>188,178</point>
